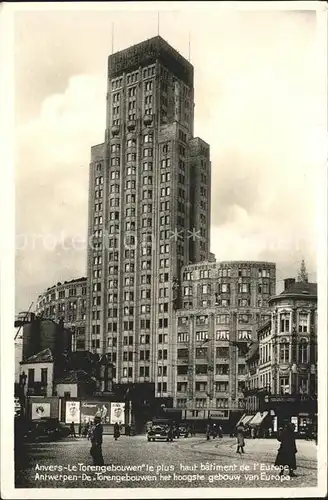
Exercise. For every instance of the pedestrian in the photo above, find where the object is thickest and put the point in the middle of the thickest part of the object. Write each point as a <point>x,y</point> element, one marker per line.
<point>72,429</point>
<point>96,438</point>
<point>80,429</point>
<point>220,431</point>
<point>208,432</point>
<point>240,438</point>
<point>214,431</point>
<point>286,456</point>
<point>252,433</point>
<point>116,431</point>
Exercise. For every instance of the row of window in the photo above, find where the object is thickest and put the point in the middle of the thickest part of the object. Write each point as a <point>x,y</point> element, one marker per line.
<point>199,369</point>
<point>203,403</point>
<point>219,335</point>
<point>202,386</point>
<point>62,294</point>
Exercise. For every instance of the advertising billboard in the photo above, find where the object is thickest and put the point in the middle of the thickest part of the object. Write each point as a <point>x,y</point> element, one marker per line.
<point>40,410</point>
<point>117,413</point>
<point>72,412</point>
<point>92,409</point>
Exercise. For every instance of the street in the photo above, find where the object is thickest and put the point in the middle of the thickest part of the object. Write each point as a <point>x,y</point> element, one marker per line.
<point>134,462</point>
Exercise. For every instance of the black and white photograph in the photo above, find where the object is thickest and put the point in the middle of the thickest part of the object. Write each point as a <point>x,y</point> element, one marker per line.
<point>165,320</point>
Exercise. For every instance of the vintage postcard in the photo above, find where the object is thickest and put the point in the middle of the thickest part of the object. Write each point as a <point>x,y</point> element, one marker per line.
<point>163,269</point>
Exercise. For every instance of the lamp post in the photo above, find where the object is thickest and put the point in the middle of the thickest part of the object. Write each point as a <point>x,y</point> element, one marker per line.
<point>22,383</point>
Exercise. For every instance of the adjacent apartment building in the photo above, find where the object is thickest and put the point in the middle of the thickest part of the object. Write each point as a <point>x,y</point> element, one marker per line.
<point>223,305</point>
<point>149,209</point>
<point>67,302</point>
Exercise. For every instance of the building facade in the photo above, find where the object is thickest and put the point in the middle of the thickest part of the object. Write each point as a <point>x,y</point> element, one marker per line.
<point>294,339</point>
<point>149,208</point>
<point>67,302</point>
<point>282,370</point>
<point>223,304</point>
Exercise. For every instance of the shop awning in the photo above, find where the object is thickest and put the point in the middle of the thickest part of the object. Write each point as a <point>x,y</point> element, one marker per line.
<point>258,419</point>
<point>244,419</point>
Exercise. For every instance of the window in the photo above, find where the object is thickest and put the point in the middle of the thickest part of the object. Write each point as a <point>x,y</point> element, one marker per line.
<point>201,369</point>
<point>222,386</point>
<point>222,369</point>
<point>162,387</point>
<point>225,288</point>
<point>201,386</point>
<point>183,337</point>
<point>148,166</point>
<point>223,319</point>
<point>284,352</point>
<point>303,387</point>
<point>201,336</point>
<point>241,369</point>
<point>201,353</point>
<point>222,352</point>
<point>44,376</point>
<point>303,322</point>
<point>222,335</point>
<point>222,403</point>
<point>284,385</point>
<point>184,320</point>
<point>284,323</point>
<point>303,351</point>
<point>201,320</point>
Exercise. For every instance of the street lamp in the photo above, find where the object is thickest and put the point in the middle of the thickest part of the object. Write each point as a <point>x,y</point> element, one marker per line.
<point>22,383</point>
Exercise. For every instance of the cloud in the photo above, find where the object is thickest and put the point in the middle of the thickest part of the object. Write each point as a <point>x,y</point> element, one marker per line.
<point>52,185</point>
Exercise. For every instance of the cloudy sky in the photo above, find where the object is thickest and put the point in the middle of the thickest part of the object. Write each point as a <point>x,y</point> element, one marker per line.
<point>258,104</point>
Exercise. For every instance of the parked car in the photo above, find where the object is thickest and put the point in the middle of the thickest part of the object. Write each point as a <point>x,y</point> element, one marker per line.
<point>46,430</point>
<point>158,433</point>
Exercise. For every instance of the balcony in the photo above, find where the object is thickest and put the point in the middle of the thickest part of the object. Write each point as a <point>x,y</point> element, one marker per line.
<point>148,120</point>
<point>131,125</point>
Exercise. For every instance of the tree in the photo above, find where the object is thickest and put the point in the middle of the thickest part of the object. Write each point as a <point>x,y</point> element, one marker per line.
<point>302,274</point>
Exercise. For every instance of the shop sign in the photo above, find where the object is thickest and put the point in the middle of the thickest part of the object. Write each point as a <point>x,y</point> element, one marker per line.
<point>219,414</point>
<point>280,399</point>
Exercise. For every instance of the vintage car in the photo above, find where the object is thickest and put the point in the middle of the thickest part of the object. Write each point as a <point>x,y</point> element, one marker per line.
<point>46,429</point>
<point>158,433</point>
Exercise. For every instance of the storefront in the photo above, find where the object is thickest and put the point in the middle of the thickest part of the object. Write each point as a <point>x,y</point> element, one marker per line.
<point>299,410</point>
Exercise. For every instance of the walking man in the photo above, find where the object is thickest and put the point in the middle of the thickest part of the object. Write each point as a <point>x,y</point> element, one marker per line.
<point>72,429</point>
<point>96,437</point>
<point>286,456</point>
<point>240,438</point>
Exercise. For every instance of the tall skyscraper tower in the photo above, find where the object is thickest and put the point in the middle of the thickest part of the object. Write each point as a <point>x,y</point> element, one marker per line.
<point>149,211</point>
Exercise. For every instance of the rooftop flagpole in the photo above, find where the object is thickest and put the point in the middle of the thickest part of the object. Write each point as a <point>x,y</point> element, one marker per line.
<point>157,23</point>
<point>112,38</point>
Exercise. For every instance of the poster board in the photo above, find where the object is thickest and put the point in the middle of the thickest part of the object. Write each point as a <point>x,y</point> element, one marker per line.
<point>72,412</point>
<point>117,413</point>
